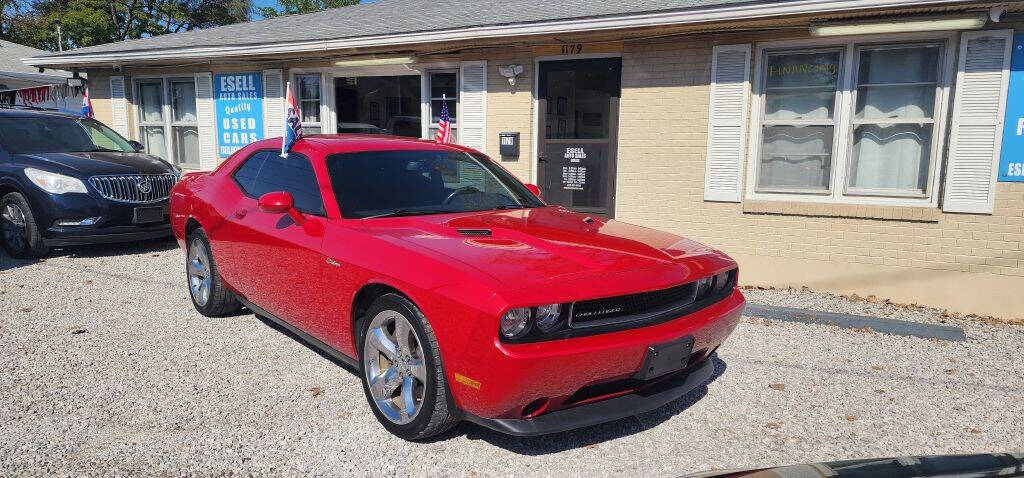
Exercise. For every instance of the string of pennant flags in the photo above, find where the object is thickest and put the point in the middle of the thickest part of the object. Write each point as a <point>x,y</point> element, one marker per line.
<point>36,95</point>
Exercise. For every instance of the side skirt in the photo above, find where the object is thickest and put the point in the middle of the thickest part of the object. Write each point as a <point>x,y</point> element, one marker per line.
<point>309,339</point>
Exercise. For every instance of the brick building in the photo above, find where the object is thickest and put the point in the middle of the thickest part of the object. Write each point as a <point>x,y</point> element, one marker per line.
<point>848,146</point>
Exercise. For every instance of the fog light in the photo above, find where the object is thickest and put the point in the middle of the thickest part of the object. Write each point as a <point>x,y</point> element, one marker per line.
<point>77,222</point>
<point>515,323</point>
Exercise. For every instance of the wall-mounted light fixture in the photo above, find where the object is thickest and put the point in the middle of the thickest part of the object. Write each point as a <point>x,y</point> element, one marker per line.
<point>971,21</point>
<point>511,72</point>
<point>373,60</point>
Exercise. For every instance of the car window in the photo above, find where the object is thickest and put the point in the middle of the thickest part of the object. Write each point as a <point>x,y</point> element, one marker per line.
<point>266,172</point>
<point>28,135</point>
<point>380,183</point>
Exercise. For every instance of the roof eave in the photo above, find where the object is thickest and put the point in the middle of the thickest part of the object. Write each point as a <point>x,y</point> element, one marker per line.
<point>703,15</point>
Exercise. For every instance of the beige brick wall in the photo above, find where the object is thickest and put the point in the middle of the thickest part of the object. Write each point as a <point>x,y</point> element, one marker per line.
<point>661,177</point>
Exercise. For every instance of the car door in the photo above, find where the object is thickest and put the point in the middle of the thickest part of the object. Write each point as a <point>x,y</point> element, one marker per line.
<point>277,263</point>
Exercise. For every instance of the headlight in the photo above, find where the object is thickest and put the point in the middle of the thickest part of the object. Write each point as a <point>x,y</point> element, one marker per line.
<point>548,317</point>
<point>704,285</point>
<point>515,323</point>
<point>55,183</point>
<point>722,281</point>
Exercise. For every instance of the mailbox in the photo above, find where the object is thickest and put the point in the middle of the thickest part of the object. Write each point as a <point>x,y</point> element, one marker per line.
<point>509,144</point>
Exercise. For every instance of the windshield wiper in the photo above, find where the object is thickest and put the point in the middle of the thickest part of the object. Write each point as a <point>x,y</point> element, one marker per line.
<point>411,212</point>
<point>510,206</point>
<point>99,149</point>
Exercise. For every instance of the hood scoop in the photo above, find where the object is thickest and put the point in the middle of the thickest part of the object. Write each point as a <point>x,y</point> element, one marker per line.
<point>474,232</point>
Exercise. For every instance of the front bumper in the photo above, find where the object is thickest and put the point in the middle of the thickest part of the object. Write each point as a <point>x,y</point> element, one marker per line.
<point>116,224</point>
<point>645,399</point>
<point>506,381</point>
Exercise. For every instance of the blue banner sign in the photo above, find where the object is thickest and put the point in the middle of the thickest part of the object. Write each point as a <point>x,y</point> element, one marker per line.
<point>239,110</point>
<point>1011,163</point>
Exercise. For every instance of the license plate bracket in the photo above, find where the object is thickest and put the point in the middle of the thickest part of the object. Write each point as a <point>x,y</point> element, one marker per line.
<point>145,215</point>
<point>666,358</point>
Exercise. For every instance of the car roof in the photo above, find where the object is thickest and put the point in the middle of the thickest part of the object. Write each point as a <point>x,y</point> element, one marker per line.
<point>33,113</point>
<point>354,143</point>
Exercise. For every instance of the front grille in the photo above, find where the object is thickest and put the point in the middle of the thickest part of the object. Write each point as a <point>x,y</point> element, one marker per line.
<point>608,310</point>
<point>135,188</point>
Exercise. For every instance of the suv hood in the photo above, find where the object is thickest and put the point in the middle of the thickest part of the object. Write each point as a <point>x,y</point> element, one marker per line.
<point>530,247</point>
<point>98,163</point>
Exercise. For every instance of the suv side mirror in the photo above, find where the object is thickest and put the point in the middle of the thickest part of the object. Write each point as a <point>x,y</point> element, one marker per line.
<point>281,202</point>
<point>533,189</point>
<point>137,146</point>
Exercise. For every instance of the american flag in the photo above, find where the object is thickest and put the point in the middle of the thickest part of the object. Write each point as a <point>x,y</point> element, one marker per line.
<point>444,126</point>
<point>292,123</point>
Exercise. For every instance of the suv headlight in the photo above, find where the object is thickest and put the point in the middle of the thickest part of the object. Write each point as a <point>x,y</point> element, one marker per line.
<point>54,183</point>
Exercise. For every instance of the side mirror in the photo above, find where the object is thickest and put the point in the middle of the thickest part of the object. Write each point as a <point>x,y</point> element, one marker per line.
<point>533,189</point>
<point>137,146</point>
<point>281,202</point>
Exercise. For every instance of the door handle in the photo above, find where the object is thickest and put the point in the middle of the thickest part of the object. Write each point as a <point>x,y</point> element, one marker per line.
<point>240,213</point>
<point>542,158</point>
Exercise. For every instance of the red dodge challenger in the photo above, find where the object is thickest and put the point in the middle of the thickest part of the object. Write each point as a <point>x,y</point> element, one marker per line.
<point>453,288</point>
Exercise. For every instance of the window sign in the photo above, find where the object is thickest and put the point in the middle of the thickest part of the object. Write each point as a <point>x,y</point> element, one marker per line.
<point>239,111</point>
<point>1011,165</point>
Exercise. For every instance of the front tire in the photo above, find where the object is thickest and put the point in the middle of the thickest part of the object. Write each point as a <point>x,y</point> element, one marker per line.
<point>403,376</point>
<point>209,295</point>
<point>18,232</point>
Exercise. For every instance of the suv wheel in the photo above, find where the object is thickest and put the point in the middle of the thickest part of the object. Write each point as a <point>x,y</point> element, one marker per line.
<point>18,232</point>
<point>209,295</point>
<point>403,377</point>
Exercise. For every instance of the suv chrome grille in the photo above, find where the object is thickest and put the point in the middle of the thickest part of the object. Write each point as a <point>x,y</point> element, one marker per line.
<point>134,188</point>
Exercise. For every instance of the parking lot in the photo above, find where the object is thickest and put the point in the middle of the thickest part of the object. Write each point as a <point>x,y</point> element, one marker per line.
<point>106,369</point>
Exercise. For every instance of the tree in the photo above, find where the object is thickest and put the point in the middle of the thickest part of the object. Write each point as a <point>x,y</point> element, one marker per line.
<point>291,7</point>
<point>93,22</point>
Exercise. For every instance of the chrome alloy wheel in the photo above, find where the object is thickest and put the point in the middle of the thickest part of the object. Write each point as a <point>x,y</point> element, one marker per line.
<point>13,227</point>
<point>394,365</point>
<point>199,280</point>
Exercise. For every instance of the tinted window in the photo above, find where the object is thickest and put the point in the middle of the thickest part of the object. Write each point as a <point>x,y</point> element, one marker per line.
<point>266,172</point>
<point>382,183</point>
<point>59,135</point>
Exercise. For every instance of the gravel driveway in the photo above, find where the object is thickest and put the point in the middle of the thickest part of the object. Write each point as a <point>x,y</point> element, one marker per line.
<point>106,369</point>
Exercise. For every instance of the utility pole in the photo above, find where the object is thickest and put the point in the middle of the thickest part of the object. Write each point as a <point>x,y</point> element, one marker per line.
<point>60,38</point>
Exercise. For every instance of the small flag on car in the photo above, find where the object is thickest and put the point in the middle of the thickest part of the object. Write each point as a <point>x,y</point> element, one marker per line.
<point>444,126</point>
<point>87,105</point>
<point>292,123</point>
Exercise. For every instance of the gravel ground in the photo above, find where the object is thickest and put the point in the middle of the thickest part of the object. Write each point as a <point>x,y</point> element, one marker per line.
<point>107,370</point>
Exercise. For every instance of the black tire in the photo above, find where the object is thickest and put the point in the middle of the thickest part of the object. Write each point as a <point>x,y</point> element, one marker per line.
<point>219,300</point>
<point>437,412</point>
<point>21,241</point>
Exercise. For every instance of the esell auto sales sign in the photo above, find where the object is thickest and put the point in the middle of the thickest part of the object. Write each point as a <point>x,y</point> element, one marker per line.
<point>1011,163</point>
<point>239,105</point>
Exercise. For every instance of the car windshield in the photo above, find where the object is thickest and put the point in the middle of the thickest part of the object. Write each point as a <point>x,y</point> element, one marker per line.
<point>59,135</point>
<point>406,183</point>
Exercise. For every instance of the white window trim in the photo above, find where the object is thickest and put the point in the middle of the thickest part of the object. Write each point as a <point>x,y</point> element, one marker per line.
<point>296,89</point>
<point>328,115</point>
<point>842,144</point>
<point>165,110</point>
<point>428,115</point>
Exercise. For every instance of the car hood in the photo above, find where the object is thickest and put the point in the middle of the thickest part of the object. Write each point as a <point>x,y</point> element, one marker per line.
<point>98,163</point>
<point>529,247</point>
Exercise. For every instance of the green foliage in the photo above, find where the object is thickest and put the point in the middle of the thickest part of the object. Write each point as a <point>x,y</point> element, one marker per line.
<point>291,7</point>
<point>93,22</point>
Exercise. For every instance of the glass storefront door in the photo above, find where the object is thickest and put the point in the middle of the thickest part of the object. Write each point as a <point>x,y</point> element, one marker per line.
<point>379,105</point>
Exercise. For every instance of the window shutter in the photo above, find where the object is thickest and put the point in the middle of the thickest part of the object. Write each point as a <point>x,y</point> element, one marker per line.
<point>207,120</point>
<point>472,120</point>
<point>976,133</point>
<point>727,114</point>
<point>273,103</point>
<point>118,106</point>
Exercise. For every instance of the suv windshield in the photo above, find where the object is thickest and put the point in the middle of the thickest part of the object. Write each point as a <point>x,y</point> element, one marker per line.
<point>59,135</point>
<point>406,183</point>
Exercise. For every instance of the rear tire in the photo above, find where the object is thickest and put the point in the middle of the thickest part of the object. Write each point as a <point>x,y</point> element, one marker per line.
<point>209,295</point>
<point>18,232</point>
<point>402,370</point>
